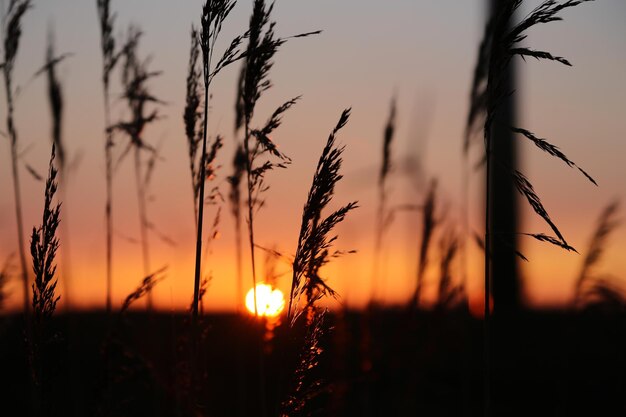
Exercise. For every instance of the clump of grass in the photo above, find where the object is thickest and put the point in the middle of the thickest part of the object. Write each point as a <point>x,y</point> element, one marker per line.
<point>110,58</point>
<point>315,239</point>
<point>11,40</point>
<point>382,213</point>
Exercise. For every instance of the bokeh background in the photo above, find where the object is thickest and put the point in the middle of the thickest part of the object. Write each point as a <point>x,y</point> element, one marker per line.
<point>421,51</point>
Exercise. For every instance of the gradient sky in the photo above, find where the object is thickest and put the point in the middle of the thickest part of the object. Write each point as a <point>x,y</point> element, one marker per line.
<point>423,51</point>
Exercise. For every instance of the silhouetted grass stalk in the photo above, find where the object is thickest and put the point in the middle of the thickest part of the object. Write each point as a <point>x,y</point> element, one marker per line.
<point>110,57</point>
<point>43,247</point>
<point>429,224</point>
<point>504,40</point>
<point>606,223</point>
<point>235,202</point>
<point>214,13</point>
<point>192,115</point>
<point>55,100</point>
<point>143,219</point>
<point>382,221</point>
<point>314,240</point>
<point>262,46</point>
<point>312,253</point>
<point>135,76</point>
<point>12,33</point>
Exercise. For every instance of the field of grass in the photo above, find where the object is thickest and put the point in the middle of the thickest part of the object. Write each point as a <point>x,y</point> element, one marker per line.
<point>290,355</point>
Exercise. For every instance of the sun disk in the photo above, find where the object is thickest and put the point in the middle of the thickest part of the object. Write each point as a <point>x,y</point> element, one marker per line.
<point>270,301</point>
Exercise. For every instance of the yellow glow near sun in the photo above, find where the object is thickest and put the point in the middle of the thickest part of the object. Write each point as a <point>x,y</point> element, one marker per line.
<point>269,301</point>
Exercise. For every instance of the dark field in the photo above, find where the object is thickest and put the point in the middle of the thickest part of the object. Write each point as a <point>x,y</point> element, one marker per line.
<point>384,363</point>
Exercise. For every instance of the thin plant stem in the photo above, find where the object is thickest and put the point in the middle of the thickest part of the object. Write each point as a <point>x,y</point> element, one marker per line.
<point>378,242</point>
<point>16,186</point>
<point>246,145</point>
<point>18,207</point>
<point>487,286</point>
<point>109,199</point>
<point>196,282</point>
<point>239,259</point>
<point>143,220</point>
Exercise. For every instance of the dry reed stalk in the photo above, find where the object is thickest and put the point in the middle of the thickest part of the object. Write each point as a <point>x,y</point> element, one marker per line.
<point>110,57</point>
<point>315,242</point>
<point>312,253</point>
<point>429,224</point>
<point>502,43</point>
<point>192,116</point>
<point>239,167</point>
<point>214,13</point>
<point>607,222</point>
<point>135,75</point>
<point>12,20</point>
<point>383,215</point>
<point>55,100</point>
<point>43,247</point>
<point>448,293</point>
<point>262,46</point>
<point>306,389</point>
<point>144,288</point>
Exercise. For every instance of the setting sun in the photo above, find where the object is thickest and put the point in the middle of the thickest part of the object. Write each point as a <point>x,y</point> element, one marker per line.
<point>270,301</point>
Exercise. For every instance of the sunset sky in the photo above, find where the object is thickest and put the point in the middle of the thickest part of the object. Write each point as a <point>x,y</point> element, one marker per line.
<point>423,51</point>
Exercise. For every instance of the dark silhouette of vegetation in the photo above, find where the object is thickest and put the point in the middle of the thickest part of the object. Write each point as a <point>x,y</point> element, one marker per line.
<point>11,41</point>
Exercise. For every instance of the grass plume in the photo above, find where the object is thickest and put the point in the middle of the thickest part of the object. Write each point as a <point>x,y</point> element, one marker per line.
<point>313,252</point>
<point>144,288</point>
<point>135,76</point>
<point>315,239</point>
<point>44,244</point>
<point>55,101</point>
<point>192,115</point>
<point>43,248</point>
<point>606,223</point>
